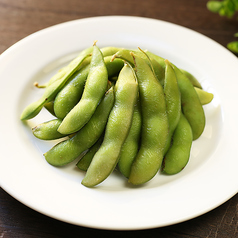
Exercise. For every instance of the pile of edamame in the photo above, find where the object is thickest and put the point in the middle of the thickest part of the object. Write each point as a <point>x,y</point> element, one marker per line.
<point>123,109</point>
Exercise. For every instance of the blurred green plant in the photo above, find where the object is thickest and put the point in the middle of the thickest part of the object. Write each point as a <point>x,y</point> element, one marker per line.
<point>226,8</point>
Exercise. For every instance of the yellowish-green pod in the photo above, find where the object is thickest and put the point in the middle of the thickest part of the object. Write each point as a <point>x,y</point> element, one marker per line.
<point>131,145</point>
<point>52,89</point>
<point>204,96</point>
<point>68,150</point>
<point>192,78</point>
<point>125,54</point>
<point>178,154</point>
<point>191,105</point>
<point>50,108</point>
<point>155,125</point>
<point>86,159</point>
<point>70,95</point>
<point>48,130</point>
<point>117,129</point>
<point>95,88</point>
<point>63,71</point>
<point>172,99</point>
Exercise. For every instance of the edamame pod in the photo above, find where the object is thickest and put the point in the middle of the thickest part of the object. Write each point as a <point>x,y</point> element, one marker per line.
<point>61,73</point>
<point>118,125</point>
<point>172,99</point>
<point>113,67</point>
<point>95,87</point>
<point>131,145</point>
<point>50,108</point>
<point>191,105</point>
<point>109,50</point>
<point>85,161</point>
<point>154,125</point>
<point>51,90</point>
<point>70,95</point>
<point>155,66</point>
<point>160,60</point>
<point>68,150</point>
<point>125,54</point>
<point>178,154</point>
<point>192,79</point>
<point>48,130</point>
<point>204,96</point>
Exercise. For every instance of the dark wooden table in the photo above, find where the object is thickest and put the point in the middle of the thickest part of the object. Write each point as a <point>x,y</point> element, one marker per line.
<point>19,18</point>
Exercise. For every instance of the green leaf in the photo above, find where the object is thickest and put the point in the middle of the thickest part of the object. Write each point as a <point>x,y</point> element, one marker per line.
<point>226,8</point>
<point>233,46</point>
<point>214,6</point>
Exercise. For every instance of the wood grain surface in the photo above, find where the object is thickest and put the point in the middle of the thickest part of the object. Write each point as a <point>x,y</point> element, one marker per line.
<point>19,18</point>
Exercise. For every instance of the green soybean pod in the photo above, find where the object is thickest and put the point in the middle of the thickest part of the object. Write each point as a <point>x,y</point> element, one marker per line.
<point>178,154</point>
<point>155,126</point>
<point>109,50</point>
<point>70,95</point>
<point>158,58</point>
<point>118,126</point>
<point>48,130</point>
<point>113,67</point>
<point>63,71</point>
<point>95,87</point>
<point>204,96</point>
<point>130,147</point>
<point>50,108</point>
<point>172,99</point>
<point>191,105</point>
<point>85,161</point>
<point>51,90</point>
<point>155,66</point>
<point>125,54</point>
<point>192,78</point>
<point>68,150</point>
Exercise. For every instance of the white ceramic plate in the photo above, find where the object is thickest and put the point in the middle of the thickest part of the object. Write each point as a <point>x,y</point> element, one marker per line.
<point>209,179</point>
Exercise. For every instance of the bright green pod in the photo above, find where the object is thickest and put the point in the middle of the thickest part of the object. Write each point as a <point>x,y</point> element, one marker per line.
<point>95,88</point>
<point>68,150</point>
<point>113,67</point>
<point>125,54</point>
<point>192,79</point>
<point>109,50</point>
<point>178,154</point>
<point>63,71</point>
<point>204,96</point>
<point>70,95</point>
<point>87,158</point>
<point>48,130</point>
<point>118,126</point>
<point>191,105</point>
<point>155,125</point>
<point>50,108</point>
<point>172,99</point>
<point>130,147</point>
<point>52,89</point>
<point>160,60</point>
